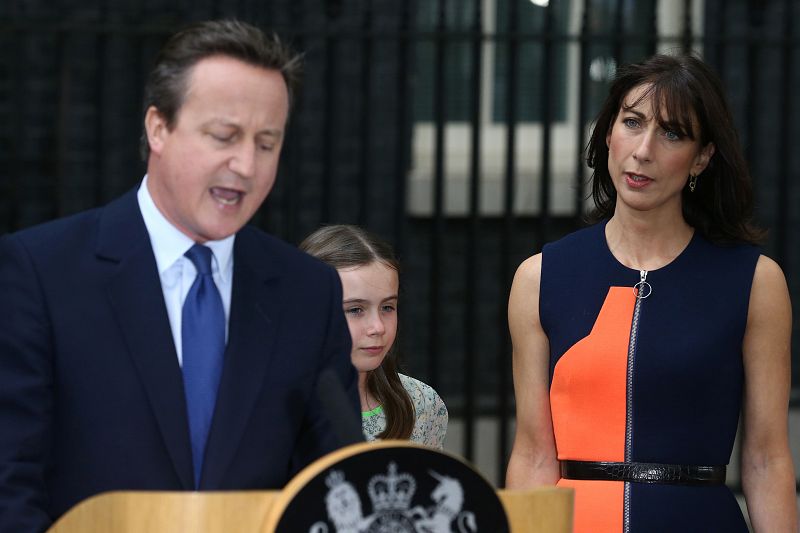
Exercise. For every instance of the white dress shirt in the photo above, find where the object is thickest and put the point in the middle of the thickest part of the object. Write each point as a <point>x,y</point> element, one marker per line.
<point>176,271</point>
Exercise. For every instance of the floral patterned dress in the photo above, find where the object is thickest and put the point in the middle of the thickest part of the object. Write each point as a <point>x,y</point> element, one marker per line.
<point>430,425</point>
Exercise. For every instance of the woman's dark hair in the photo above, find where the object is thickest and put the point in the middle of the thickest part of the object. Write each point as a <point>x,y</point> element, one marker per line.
<point>166,84</point>
<point>346,246</point>
<point>679,88</point>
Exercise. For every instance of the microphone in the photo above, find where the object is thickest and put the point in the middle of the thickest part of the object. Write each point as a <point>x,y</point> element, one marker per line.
<point>338,408</point>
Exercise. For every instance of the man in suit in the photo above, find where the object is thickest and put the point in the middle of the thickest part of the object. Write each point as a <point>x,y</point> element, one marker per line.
<point>127,363</point>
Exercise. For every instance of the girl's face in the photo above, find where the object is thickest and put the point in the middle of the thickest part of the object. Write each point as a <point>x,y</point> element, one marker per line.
<point>370,305</point>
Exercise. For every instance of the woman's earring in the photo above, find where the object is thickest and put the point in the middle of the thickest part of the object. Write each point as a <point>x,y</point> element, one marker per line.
<point>692,182</point>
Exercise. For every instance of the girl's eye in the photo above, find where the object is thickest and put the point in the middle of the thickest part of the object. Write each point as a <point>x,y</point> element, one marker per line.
<point>355,311</point>
<point>388,308</point>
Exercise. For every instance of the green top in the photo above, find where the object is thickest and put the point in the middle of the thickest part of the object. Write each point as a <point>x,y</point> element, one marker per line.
<point>373,412</point>
<point>430,424</point>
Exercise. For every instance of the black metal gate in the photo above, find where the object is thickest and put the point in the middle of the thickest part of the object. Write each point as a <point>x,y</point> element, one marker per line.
<point>454,128</point>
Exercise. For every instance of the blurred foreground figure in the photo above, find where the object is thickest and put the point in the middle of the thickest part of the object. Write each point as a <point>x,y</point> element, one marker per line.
<point>158,343</point>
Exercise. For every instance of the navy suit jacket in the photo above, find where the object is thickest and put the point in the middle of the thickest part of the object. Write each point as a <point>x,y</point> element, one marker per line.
<point>91,392</point>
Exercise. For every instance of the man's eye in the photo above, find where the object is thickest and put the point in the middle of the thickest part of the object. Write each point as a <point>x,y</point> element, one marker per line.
<point>222,137</point>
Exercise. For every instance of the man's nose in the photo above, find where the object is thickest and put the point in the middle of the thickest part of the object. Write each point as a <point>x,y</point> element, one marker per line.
<point>243,160</point>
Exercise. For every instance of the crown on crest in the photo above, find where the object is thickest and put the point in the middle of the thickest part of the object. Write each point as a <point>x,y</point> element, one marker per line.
<point>391,492</point>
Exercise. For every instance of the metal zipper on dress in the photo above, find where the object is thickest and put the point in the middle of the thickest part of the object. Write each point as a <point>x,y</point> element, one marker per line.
<point>642,291</point>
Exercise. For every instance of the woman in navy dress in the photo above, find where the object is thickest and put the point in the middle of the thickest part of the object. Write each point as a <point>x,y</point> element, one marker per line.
<point>640,340</point>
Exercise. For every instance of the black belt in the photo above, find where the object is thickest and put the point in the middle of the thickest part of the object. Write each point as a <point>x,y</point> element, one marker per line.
<point>644,472</point>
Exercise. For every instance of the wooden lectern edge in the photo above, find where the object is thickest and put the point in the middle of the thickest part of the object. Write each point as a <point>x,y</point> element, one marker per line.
<point>542,509</point>
<point>167,511</point>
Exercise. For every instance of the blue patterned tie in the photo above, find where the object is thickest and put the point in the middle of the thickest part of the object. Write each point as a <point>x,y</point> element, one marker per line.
<point>203,337</point>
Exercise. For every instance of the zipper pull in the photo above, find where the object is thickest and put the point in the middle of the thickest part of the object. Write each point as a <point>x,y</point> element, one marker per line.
<point>642,289</point>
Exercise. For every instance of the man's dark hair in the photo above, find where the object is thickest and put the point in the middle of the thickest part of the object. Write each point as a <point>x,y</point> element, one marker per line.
<point>167,83</point>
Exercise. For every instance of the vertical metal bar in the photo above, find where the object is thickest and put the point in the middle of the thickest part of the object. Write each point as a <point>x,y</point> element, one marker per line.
<point>687,36</point>
<point>619,27</point>
<point>504,358</point>
<point>782,222</point>
<point>366,132</point>
<point>328,124</point>
<point>403,122</point>
<point>438,229</point>
<point>752,83</point>
<point>269,10</point>
<point>290,205</point>
<point>16,88</point>
<point>721,37</point>
<point>57,161</point>
<point>583,119</point>
<point>750,119</point>
<point>101,45</point>
<point>546,112</point>
<point>652,32</point>
<point>512,61</point>
<point>470,297</point>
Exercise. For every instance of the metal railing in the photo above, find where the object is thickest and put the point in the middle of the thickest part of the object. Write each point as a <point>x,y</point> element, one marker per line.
<point>70,118</point>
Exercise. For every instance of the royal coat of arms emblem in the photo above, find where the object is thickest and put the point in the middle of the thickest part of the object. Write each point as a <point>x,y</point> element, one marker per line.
<point>391,497</point>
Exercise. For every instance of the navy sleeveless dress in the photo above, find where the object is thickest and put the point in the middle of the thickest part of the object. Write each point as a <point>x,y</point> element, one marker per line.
<point>657,379</point>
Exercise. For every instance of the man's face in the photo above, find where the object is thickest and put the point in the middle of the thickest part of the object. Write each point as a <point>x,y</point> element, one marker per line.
<point>211,172</point>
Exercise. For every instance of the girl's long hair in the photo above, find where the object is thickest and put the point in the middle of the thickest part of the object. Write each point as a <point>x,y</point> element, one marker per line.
<point>345,246</point>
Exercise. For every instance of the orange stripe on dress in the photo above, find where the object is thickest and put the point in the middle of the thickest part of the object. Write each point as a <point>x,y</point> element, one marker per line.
<point>597,507</point>
<point>588,404</point>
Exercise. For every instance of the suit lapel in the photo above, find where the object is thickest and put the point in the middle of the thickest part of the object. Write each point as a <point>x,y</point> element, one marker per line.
<point>250,347</point>
<point>138,303</point>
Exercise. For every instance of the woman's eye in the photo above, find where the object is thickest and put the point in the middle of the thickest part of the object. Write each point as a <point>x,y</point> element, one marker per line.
<point>631,122</point>
<point>672,136</point>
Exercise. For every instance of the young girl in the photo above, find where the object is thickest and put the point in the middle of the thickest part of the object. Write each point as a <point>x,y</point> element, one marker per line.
<point>393,405</point>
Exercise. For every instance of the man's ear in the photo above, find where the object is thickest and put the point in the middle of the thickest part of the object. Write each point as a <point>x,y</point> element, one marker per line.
<point>155,125</point>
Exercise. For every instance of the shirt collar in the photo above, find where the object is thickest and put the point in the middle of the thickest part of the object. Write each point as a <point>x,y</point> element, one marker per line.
<point>169,243</point>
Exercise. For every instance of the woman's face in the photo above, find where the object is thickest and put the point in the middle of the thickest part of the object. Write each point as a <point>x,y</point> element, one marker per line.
<point>649,165</point>
<point>370,305</point>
